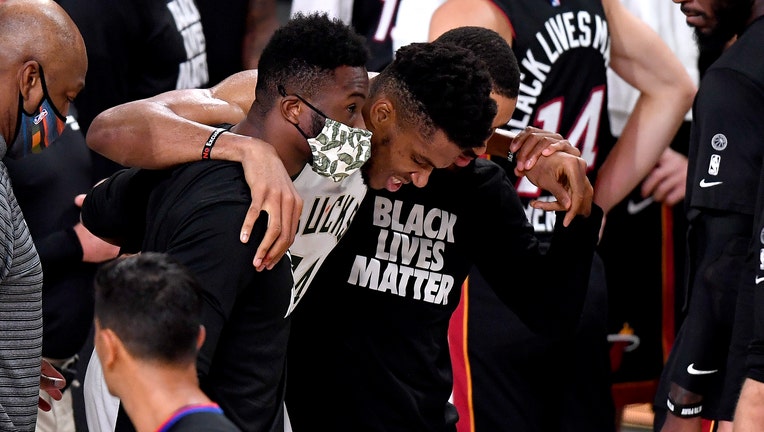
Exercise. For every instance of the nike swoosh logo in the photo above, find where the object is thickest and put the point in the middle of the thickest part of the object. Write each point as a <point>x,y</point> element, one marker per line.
<point>759,280</point>
<point>705,184</point>
<point>692,371</point>
<point>635,207</point>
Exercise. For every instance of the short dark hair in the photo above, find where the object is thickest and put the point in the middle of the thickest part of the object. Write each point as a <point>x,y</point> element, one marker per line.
<point>440,86</point>
<point>153,304</point>
<point>495,52</point>
<point>305,51</point>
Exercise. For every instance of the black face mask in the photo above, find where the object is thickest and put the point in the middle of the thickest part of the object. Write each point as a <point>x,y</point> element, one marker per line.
<point>35,131</point>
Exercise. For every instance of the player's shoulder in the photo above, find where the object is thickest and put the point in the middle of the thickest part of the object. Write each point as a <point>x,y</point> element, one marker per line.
<point>741,58</point>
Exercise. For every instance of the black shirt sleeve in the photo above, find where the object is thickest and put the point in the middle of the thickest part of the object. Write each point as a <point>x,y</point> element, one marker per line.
<point>545,289</point>
<point>115,209</point>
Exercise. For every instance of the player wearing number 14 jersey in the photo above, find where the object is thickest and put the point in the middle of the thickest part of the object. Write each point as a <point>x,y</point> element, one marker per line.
<point>563,55</point>
<point>506,376</point>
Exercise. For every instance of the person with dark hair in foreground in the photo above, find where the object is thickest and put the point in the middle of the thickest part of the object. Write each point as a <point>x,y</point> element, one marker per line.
<point>148,330</point>
<point>707,365</point>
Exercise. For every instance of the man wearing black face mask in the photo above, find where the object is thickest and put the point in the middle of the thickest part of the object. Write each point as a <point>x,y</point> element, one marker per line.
<point>33,34</point>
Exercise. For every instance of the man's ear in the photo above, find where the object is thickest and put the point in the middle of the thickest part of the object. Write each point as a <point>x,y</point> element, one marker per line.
<point>382,113</point>
<point>291,108</point>
<point>29,78</point>
<point>200,338</point>
<point>108,346</point>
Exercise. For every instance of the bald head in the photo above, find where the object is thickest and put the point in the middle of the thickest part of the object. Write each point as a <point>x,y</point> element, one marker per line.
<point>38,35</point>
<point>38,30</point>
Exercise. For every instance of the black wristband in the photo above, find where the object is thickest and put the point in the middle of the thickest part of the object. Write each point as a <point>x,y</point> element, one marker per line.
<point>684,410</point>
<point>207,149</point>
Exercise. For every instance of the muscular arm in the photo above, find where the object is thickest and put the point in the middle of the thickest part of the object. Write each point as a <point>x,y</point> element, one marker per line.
<point>170,128</point>
<point>642,59</point>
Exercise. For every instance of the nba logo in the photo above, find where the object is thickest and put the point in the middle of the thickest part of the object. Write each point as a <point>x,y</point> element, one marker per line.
<point>713,166</point>
<point>41,116</point>
<point>555,3</point>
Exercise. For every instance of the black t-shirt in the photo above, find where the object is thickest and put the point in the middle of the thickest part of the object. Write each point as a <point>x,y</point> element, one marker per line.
<point>724,169</point>
<point>724,158</point>
<point>194,213</point>
<point>373,326</point>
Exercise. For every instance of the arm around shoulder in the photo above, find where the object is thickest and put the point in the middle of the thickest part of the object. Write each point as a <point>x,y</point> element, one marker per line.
<point>170,128</point>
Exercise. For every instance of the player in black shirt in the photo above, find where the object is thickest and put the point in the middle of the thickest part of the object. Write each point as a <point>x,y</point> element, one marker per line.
<point>564,49</point>
<point>706,367</point>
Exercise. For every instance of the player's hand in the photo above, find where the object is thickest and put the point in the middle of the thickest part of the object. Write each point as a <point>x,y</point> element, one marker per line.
<point>563,175</point>
<point>532,143</point>
<point>666,183</point>
<point>51,382</point>
<point>273,193</point>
